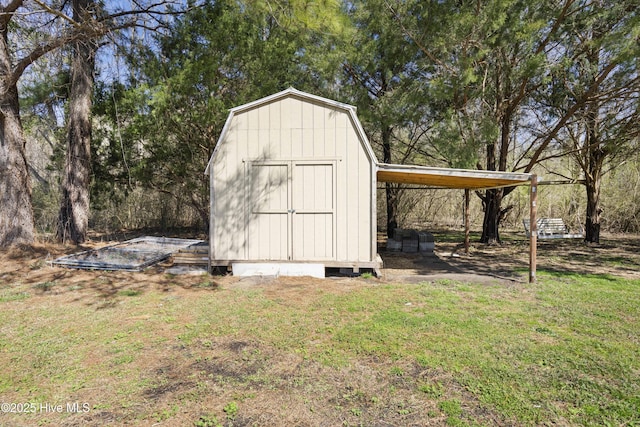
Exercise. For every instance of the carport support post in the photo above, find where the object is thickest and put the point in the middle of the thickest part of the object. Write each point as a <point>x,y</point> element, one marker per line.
<point>533,228</point>
<point>466,220</point>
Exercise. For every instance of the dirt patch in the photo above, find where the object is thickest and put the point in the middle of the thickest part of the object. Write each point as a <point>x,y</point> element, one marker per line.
<point>618,255</point>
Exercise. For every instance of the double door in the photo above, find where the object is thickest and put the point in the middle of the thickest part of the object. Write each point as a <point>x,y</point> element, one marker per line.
<point>291,210</point>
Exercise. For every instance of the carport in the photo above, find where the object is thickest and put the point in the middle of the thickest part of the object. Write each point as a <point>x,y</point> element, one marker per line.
<point>467,179</point>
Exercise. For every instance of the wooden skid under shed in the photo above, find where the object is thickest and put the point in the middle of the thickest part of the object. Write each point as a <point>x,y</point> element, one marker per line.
<point>197,254</point>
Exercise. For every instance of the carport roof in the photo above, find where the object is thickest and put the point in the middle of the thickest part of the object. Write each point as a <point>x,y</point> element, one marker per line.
<point>450,178</point>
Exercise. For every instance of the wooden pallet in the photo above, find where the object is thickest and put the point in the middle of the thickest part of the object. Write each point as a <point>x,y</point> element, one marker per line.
<point>192,255</point>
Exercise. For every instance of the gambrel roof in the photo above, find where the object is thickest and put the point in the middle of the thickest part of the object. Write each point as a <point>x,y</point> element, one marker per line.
<point>292,92</point>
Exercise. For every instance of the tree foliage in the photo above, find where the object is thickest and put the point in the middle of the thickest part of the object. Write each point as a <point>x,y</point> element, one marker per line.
<point>601,77</point>
<point>219,55</point>
<point>506,85</point>
<point>487,64</point>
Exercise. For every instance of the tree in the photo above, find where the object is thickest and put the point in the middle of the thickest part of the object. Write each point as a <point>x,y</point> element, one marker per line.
<point>16,215</point>
<point>378,76</point>
<point>19,49</point>
<point>487,63</point>
<point>476,57</point>
<point>29,31</point>
<point>74,210</point>
<point>603,48</point>
<point>514,66</point>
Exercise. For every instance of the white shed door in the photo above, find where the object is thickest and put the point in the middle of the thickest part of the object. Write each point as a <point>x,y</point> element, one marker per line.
<point>268,225</point>
<point>292,211</point>
<point>313,204</point>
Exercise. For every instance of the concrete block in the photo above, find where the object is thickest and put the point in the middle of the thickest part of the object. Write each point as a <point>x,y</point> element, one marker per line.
<point>394,245</point>
<point>427,246</point>
<point>245,269</point>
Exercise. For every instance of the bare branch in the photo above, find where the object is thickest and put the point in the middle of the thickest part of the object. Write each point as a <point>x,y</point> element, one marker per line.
<point>148,10</point>
<point>57,13</point>
<point>11,7</point>
<point>82,32</point>
<point>6,13</point>
<point>91,30</point>
<point>568,114</point>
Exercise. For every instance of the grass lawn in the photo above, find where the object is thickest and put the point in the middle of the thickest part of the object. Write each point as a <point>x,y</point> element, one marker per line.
<point>98,348</point>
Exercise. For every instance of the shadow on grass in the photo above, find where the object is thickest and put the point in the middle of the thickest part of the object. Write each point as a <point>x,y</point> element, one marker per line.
<point>26,273</point>
<point>617,255</point>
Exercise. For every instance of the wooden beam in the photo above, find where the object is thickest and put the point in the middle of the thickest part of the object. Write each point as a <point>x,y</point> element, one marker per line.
<point>533,232</point>
<point>466,221</point>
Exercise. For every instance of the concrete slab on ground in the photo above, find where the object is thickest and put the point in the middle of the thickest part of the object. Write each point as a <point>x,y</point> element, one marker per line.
<point>245,269</point>
<point>191,270</point>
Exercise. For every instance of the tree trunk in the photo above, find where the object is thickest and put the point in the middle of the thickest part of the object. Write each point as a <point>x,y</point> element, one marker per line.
<point>16,211</point>
<point>497,156</point>
<point>390,188</point>
<point>392,207</point>
<point>593,178</point>
<point>492,202</point>
<point>592,223</point>
<point>73,219</point>
<point>593,148</point>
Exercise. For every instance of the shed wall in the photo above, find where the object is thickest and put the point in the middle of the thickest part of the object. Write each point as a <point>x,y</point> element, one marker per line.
<point>270,160</point>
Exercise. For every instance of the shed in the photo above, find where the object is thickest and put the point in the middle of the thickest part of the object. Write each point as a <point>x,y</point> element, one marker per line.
<point>292,181</point>
<point>293,185</point>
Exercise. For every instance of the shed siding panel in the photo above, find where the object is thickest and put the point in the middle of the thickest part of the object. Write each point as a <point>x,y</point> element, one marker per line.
<point>296,143</point>
<point>311,233</point>
<point>275,115</point>
<point>330,139</point>
<point>364,205</point>
<point>295,113</point>
<point>229,209</point>
<point>264,116</point>
<point>319,143</point>
<point>353,187</point>
<point>268,237</point>
<point>307,115</point>
<point>254,150</point>
<point>239,122</point>
<point>343,207</point>
<point>286,143</point>
<point>341,200</point>
<point>318,137</point>
<point>253,119</point>
<point>274,146</point>
<point>324,115</point>
<point>308,146</point>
